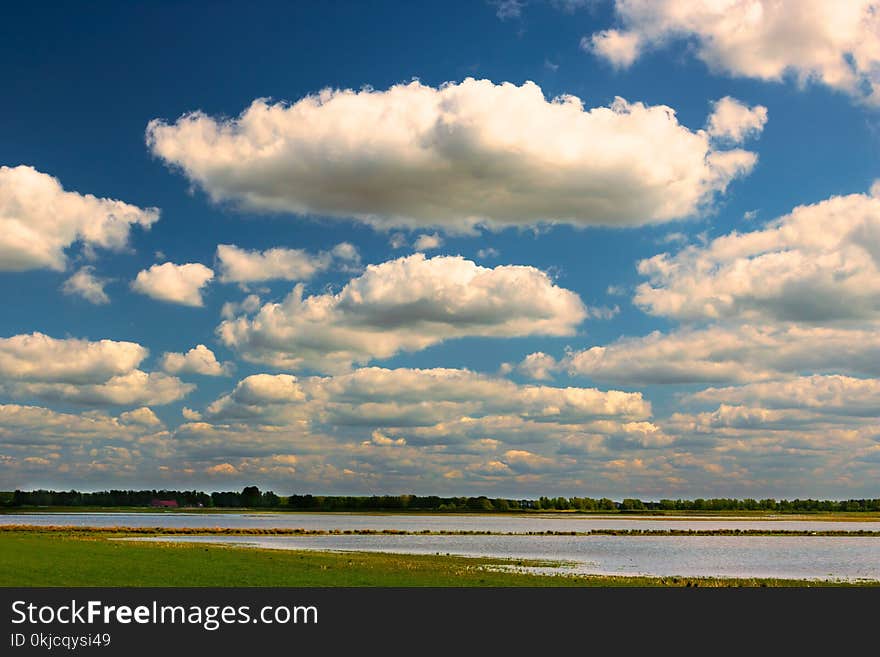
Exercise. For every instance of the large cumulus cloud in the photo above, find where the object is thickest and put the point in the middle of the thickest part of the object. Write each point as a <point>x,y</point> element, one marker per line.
<point>406,304</point>
<point>453,157</point>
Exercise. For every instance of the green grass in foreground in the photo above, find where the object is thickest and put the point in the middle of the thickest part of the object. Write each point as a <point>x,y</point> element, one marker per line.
<point>59,559</point>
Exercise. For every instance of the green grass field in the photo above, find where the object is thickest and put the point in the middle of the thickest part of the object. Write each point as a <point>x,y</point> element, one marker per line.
<point>34,558</point>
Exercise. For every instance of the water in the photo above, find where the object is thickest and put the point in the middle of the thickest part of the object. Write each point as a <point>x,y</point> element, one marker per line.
<point>784,557</point>
<point>416,523</point>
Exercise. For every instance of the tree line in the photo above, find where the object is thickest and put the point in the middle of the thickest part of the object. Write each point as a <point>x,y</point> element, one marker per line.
<point>253,497</point>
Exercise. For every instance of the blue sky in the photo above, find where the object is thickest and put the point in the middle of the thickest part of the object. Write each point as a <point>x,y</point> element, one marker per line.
<point>760,379</point>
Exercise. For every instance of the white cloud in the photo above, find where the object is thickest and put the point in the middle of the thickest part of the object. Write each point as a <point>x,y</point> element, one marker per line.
<point>143,416</point>
<point>427,242</point>
<point>820,263</point>
<point>406,304</point>
<point>397,241</point>
<point>181,284</point>
<point>84,283</point>
<point>465,154</point>
<point>505,9</point>
<point>39,220</point>
<point>346,251</point>
<point>740,353</point>
<point>81,371</point>
<point>435,406</point>
<point>245,266</point>
<point>832,394</point>
<point>538,366</point>
<point>488,252</point>
<point>38,357</point>
<point>130,389</point>
<point>247,306</point>
<point>827,41</point>
<point>620,48</point>
<point>190,415</point>
<point>198,360</point>
<point>36,425</point>
<point>732,120</point>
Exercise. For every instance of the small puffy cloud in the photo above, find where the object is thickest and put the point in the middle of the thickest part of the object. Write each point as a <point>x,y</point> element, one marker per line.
<point>143,416</point>
<point>346,251</point>
<point>85,284</point>
<point>732,120</point>
<point>39,220</point>
<point>244,266</point>
<point>507,9</point>
<point>828,42</point>
<point>620,48</point>
<point>379,438</point>
<point>190,415</point>
<point>488,252</point>
<point>181,284</point>
<point>739,354</point>
<point>820,263</point>
<point>198,360</point>
<point>248,305</point>
<point>427,242</point>
<point>222,469</point>
<point>454,157</point>
<point>538,366</point>
<point>406,304</point>
<point>83,371</point>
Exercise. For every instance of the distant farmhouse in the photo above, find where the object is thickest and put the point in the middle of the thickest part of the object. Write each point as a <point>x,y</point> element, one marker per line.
<point>168,504</point>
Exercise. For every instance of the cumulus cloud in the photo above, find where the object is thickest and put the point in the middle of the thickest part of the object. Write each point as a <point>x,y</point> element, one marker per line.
<point>39,220</point>
<point>245,266</point>
<point>82,371</point>
<point>406,304</point>
<point>39,357</point>
<point>829,394</point>
<point>429,407</point>
<point>248,305</point>
<point>820,263</point>
<point>734,121</point>
<point>198,360</point>
<point>143,416</point>
<point>132,388</point>
<point>736,353</point>
<point>85,284</point>
<point>181,284</point>
<point>538,366</point>
<point>454,157</point>
<point>622,49</point>
<point>824,41</point>
<point>428,242</point>
<point>36,425</point>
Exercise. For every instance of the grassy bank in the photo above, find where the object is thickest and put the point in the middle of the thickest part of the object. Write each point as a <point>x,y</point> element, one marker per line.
<point>29,558</point>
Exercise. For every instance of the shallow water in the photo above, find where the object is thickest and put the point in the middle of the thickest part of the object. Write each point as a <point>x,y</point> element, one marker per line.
<point>785,557</point>
<point>415,523</point>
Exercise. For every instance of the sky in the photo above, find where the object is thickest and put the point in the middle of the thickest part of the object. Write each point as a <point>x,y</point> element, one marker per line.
<point>621,248</point>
